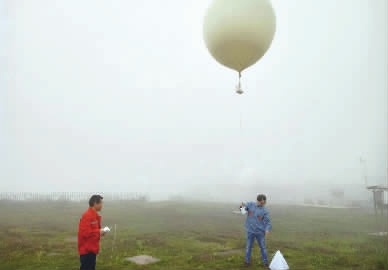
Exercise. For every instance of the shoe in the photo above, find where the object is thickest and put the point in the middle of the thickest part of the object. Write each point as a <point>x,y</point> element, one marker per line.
<point>247,264</point>
<point>266,265</point>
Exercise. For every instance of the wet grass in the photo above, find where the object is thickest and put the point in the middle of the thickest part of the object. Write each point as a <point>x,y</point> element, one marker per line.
<point>188,236</point>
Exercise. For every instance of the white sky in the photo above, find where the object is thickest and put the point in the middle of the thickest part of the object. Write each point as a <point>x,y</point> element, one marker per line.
<point>123,95</point>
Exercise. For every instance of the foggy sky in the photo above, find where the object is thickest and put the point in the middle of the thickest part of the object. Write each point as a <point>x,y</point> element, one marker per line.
<point>123,95</point>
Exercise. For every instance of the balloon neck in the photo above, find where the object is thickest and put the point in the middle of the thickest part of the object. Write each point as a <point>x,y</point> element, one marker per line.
<point>238,87</point>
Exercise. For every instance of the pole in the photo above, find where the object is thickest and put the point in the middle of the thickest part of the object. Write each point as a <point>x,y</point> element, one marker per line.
<point>375,208</point>
<point>386,192</point>
<point>113,245</point>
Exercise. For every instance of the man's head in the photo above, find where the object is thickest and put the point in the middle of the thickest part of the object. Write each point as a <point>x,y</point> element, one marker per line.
<point>261,199</point>
<point>95,202</point>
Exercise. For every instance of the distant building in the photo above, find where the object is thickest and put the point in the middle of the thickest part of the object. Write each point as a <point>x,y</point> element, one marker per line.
<point>337,197</point>
<point>380,197</point>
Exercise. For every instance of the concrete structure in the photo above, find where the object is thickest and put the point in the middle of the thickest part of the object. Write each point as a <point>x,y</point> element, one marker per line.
<point>380,197</point>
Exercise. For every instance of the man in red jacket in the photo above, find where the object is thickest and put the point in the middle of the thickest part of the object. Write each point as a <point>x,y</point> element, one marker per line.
<point>89,233</point>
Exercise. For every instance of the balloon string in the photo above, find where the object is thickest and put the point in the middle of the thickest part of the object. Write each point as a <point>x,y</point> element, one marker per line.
<point>239,87</point>
<point>241,139</point>
<point>240,120</point>
<point>240,135</point>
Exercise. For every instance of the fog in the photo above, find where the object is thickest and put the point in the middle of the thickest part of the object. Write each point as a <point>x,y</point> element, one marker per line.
<point>124,96</point>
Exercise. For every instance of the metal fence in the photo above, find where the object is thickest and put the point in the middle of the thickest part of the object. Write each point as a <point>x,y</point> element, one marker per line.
<point>70,196</point>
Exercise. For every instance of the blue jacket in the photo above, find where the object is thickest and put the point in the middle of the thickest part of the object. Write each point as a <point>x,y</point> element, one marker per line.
<point>258,219</point>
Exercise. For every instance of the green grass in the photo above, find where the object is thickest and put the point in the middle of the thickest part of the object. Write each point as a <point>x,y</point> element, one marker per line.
<point>188,236</point>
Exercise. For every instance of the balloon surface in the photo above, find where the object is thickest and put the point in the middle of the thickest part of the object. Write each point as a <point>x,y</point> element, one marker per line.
<point>238,33</point>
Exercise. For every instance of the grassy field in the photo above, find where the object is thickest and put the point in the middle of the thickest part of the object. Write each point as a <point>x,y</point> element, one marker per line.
<point>188,236</point>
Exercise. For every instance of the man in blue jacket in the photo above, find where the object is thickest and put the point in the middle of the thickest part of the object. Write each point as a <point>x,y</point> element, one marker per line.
<point>257,225</point>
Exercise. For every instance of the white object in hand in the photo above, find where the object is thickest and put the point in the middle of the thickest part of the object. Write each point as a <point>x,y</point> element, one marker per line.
<point>243,210</point>
<point>106,229</point>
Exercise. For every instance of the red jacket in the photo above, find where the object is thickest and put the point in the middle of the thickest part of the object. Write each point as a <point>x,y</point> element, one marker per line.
<point>89,232</point>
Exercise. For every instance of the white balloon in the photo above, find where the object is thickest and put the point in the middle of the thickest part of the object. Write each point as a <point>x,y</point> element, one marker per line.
<point>238,33</point>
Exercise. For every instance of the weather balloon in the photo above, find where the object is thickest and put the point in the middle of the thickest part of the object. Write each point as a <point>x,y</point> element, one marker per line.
<point>238,33</point>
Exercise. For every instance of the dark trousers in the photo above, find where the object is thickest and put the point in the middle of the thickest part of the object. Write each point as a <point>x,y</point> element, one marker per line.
<point>88,261</point>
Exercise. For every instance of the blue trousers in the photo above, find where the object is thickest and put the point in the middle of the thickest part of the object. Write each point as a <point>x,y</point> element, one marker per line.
<point>260,238</point>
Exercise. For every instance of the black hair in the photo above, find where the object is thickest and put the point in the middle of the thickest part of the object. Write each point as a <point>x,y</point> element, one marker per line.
<point>95,199</point>
<point>261,197</point>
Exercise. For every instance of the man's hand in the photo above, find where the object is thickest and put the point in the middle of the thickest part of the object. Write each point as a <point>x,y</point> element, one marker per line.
<point>267,233</point>
<point>102,232</point>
